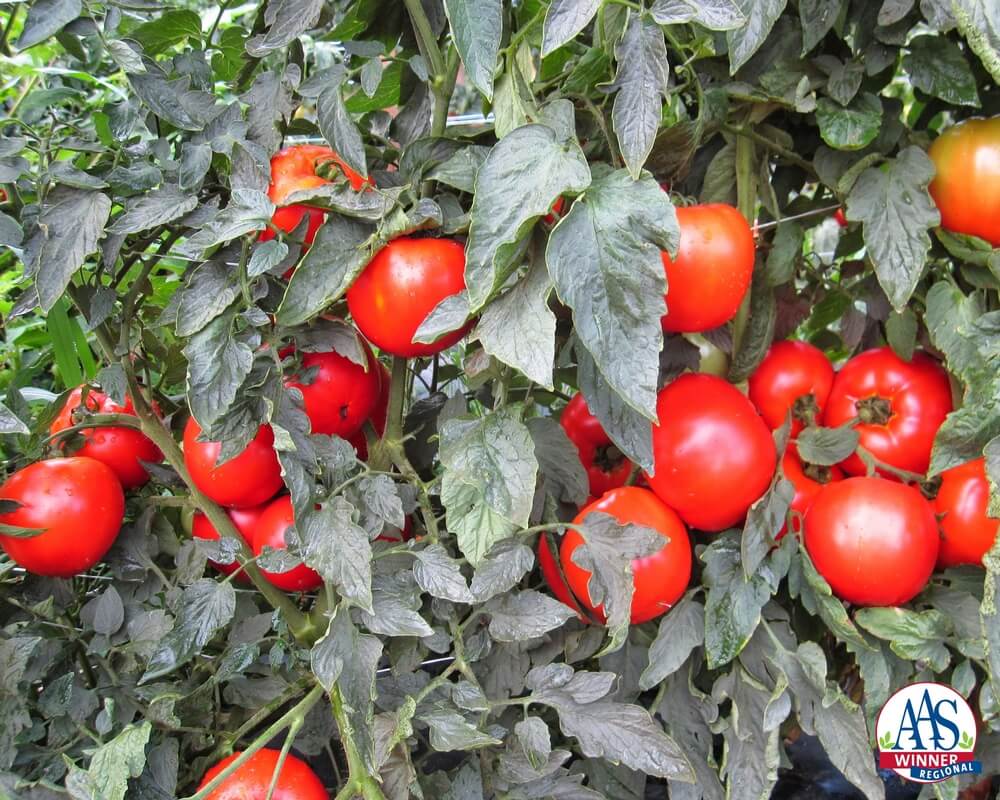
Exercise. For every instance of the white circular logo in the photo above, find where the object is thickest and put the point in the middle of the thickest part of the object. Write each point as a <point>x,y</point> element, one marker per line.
<point>926,732</point>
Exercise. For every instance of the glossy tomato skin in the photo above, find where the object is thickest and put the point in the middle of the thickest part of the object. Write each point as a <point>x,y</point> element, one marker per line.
<point>961,504</point>
<point>592,443</point>
<point>806,486</point>
<point>120,448</point>
<point>659,579</point>
<point>80,504</point>
<point>340,394</point>
<point>918,395</point>
<point>548,564</point>
<point>269,530</point>
<point>793,376</point>
<point>243,518</point>
<point>252,781</point>
<point>294,169</point>
<point>247,480</point>
<point>400,287</point>
<point>710,276</point>
<point>966,187</point>
<point>875,541</point>
<point>713,455</point>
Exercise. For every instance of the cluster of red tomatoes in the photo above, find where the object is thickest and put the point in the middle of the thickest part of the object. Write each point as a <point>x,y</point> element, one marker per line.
<point>875,538</point>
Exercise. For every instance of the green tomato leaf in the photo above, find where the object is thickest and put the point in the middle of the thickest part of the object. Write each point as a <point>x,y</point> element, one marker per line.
<point>477,26</point>
<point>604,259</point>
<point>564,20</point>
<point>745,40</point>
<point>851,127</point>
<point>642,84</point>
<point>520,179</point>
<point>286,20</point>
<point>938,67</point>
<point>897,212</point>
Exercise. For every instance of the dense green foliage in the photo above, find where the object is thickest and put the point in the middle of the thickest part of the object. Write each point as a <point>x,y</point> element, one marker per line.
<point>134,158</point>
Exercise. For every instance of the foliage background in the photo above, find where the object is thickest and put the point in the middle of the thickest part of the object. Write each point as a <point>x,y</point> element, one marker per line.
<point>135,156</point>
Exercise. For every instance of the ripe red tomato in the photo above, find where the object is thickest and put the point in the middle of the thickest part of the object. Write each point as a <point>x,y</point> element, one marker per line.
<point>840,218</point>
<point>875,541</point>
<point>251,781</point>
<point>713,455</point>
<point>711,274</point>
<point>807,484</point>
<point>244,520</point>
<point>793,375</point>
<point>269,530</point>
<point>242,482</point>
<point>396,535</point>
<point>606,467</point>
<point>294,169</point>
<point>551,573</point>
<point>122,449</point>
<point>557,208</point>
<point>379,415</point>
<point>340,394</point>
<point>400,287</point>
<point>967,185</point>
<point>962,502</point>
<point>901,405</point>
<point>78,502</point>
<point>659,579</point>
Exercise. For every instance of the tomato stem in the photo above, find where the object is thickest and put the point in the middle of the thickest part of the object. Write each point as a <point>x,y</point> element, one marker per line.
<point>294,717</point>
<point>874,410</point>
<point>358,778</point>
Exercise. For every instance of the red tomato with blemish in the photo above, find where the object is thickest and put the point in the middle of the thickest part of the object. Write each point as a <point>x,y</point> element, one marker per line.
<point>340,394</point>
<point>294,169</point>
<point>808,480</point>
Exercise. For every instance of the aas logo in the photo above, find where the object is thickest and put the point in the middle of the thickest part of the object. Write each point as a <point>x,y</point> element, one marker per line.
<point>927,733</point>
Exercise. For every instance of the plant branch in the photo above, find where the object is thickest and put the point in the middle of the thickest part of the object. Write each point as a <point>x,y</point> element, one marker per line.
<point>294,716</point>
<point>426,39</point>
<point>359,781</point>
<point>774,147</point>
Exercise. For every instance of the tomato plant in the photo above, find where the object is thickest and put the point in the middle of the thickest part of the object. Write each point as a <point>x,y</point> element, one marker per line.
<point>713,454</point>
<point>875,541</point>
<point>659,579</point>
<point>900,407</point>
<point>71,508</point>
<point>631,239</point>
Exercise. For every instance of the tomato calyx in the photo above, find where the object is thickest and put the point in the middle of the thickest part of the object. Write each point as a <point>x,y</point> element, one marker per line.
<point>806,410</point>
<point>930,487</point>
<point>817,472</point>
<point>874,410</point>
<point>608,457</point>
